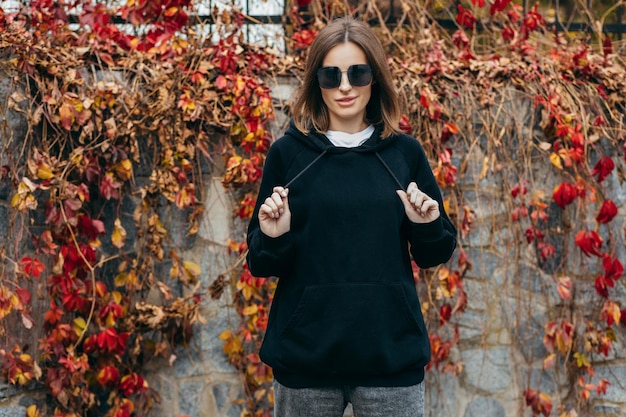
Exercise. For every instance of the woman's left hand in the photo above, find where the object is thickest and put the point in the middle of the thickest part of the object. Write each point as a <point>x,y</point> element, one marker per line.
<point>419,207</point>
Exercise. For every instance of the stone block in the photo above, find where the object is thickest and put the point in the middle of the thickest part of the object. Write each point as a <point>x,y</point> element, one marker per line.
<point>219,319</point>
<point>479,293</point>
<point>194,401</point>
<point>616,375</point>
<point>485,407</point>
<point>191,361</point>
<point>488,369</point>
<point>159,377</point>
<point>481,235</point>
<point>607,411</point>
<point>528,336</point>
<point>215,225</point>
<point>12,411</point>
<point>483,261</point>
<point>16,123</point>
<point>441,394</point>
<point>472,325</point>
<point>527,278</point>
<point>213,260</point>
<point>543,380</point>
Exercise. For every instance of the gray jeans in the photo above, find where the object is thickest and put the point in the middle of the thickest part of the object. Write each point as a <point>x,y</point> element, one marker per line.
<point>332,401</point>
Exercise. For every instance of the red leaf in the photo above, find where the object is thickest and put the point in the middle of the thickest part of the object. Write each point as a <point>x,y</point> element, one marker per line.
<point>479,3</point>
<point>109,187</point>
<point>564,194</point>
<point>603,168</point>
<point>508,33</point>
<point>445,312</point>
<point>405,125</point>
<point>24,295</point>
<point>465,18</point>
<point>613,268</point>
<point>109,375</point>
<point>607,212</point>
<point>539,402</point>
<point>602,285</point>
<point>460,39</point>
<point>518,189</point>
<point>32,266</point>
<point>498,6</point>
<point>588,242</point>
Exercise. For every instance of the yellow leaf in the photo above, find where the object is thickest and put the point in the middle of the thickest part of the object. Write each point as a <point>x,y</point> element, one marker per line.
<point>121,279</point>
<point>581,360</point>
<point>79,325</point>
<point>250,310</point>
<point>118,237</point>
<point>44,172</point>
<point>24,202</point>
<point>192,268</point>
<point>556,160</point>
<point>32,411</point>
<point>124,169</point>
<point>226,334</point>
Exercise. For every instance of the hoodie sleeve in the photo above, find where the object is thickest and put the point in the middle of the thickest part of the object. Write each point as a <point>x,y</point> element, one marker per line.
<point>269,256</point>
<point>431,243</point>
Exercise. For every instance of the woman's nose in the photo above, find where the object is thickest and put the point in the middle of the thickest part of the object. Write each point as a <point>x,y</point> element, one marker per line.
<point>345,82</point>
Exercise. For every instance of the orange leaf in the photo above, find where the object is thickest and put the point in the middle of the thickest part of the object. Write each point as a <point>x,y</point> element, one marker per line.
<point>66,111</point>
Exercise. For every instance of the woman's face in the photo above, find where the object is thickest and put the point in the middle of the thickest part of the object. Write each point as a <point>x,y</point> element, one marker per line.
<point>346,103</point>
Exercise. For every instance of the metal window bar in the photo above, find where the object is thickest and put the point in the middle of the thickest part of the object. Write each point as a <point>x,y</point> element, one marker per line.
<point>618,28</point>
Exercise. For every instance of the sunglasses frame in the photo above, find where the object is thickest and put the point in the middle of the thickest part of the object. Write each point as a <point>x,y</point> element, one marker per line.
<point>350,72</point>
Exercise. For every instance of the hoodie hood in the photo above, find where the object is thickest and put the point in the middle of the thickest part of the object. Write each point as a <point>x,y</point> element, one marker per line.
<point>320,143</point>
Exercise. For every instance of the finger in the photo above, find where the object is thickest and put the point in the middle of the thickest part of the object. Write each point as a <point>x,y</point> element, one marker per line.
<point>281,191</point>
<point>430,205</point>
<point>404,198</point>
<point>417,198</point>
<point>278,200</point>
<point>273,208</point>
<point>265,211</point>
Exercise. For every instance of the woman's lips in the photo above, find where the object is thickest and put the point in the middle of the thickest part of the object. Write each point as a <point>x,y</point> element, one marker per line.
<point>346,101</point>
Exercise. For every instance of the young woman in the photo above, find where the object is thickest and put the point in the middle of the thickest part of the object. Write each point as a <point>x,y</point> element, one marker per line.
<point>345,200</point>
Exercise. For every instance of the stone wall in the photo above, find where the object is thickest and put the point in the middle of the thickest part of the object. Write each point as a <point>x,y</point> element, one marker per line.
<point>509,296</point>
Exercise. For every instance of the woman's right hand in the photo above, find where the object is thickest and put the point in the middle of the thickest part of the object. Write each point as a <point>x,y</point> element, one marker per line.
<point>274,214</point>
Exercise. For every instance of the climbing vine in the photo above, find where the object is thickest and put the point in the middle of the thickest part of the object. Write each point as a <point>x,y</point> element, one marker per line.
<point>122,126</point>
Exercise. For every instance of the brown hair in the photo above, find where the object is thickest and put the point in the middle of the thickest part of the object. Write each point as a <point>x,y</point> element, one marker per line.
<point>309,110</point>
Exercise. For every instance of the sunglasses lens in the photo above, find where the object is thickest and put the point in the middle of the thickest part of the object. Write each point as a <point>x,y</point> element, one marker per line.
<point>359,75</point>
<point>329,77</point>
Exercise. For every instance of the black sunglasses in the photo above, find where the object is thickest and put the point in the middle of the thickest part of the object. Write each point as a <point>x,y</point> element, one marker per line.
<point>359,75</point>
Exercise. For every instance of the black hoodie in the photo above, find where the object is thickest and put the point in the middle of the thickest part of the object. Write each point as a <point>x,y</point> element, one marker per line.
<point>346,311</point>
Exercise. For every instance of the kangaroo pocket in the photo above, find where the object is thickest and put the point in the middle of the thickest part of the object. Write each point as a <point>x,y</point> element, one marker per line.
<point>354,329</point>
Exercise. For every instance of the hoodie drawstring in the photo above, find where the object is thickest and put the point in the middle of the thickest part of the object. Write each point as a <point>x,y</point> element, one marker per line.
<point>380,158</point>
<point>306,168</point>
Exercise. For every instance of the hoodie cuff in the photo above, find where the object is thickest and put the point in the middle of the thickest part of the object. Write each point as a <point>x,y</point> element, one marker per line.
<point>428,232</point>
<point>278,244</point>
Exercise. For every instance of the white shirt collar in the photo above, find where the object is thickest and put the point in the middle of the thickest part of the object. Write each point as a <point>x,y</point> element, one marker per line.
<point>349,140</point>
